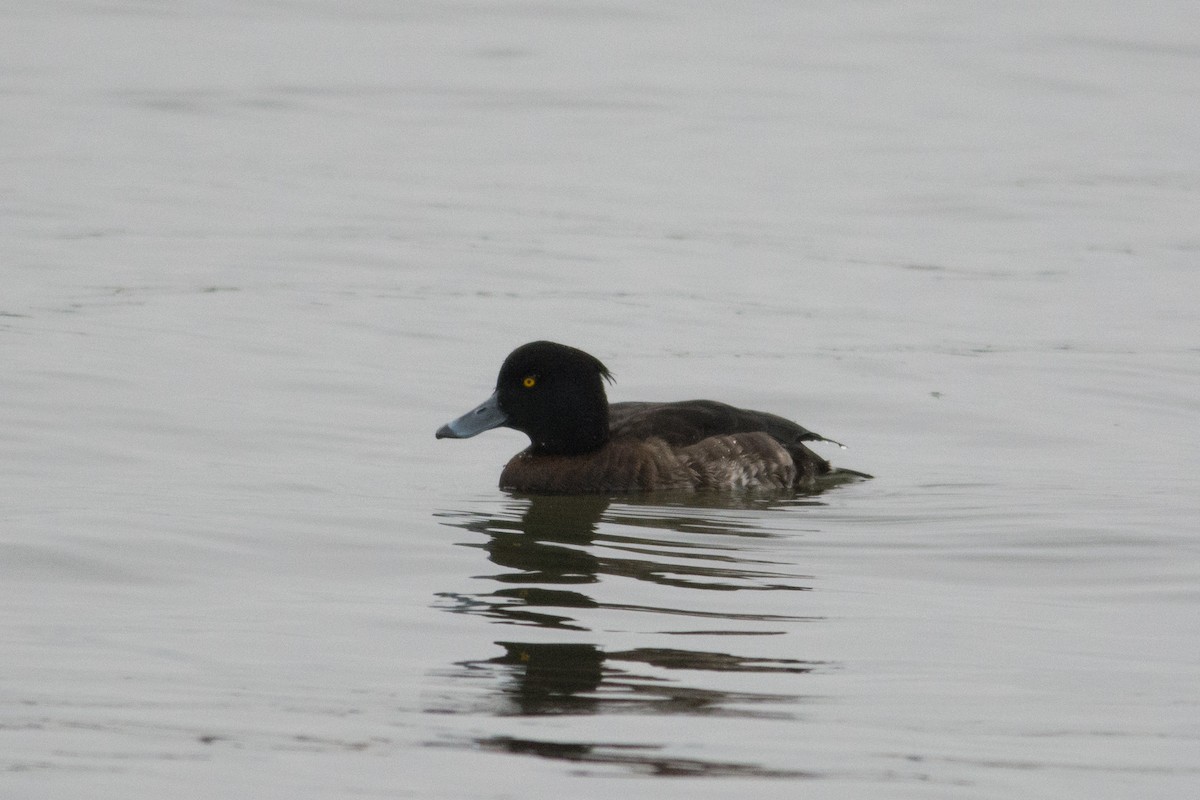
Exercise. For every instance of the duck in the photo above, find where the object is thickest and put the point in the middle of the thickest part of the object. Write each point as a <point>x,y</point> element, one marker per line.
<point>579,443</point>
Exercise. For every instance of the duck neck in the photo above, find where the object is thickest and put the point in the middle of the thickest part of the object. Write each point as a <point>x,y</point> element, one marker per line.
<point>585,432</point>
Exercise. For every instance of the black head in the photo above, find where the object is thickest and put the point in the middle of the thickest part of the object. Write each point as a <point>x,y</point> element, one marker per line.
<point>552,393</point>
<point>555,394</point>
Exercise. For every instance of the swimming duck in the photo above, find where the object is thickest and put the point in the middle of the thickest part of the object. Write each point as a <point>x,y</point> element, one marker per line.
<point>580,443</point>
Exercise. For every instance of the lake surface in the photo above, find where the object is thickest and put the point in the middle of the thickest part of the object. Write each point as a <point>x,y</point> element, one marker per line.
<point>254,254</point>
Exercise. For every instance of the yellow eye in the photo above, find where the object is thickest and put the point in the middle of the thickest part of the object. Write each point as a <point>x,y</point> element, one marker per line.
<point>529,381</point>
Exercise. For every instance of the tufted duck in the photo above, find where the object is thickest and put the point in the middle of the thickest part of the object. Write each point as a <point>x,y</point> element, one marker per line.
<point>579,443</point>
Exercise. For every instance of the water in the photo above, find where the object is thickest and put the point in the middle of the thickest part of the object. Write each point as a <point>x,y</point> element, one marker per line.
<point>253,254</point>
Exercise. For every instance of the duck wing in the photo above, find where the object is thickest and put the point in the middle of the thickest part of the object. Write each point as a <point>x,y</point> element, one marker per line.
<point>705,424</point>
<point>690,421</point>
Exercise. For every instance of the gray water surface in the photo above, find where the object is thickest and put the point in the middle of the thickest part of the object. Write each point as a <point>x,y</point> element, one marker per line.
<point>254,254</point>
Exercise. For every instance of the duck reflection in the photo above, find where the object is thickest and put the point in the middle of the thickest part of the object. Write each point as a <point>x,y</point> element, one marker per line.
<point>645,759</point>
<point>557,555</point>
<point>558,679</point>
<point>543,679</point>
<point>544,542</point>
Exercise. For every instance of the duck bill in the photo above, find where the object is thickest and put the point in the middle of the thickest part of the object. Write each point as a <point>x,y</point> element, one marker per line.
<point>483,417</point>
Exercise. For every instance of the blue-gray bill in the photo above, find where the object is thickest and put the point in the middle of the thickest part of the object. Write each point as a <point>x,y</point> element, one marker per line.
<point>483,417</point>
